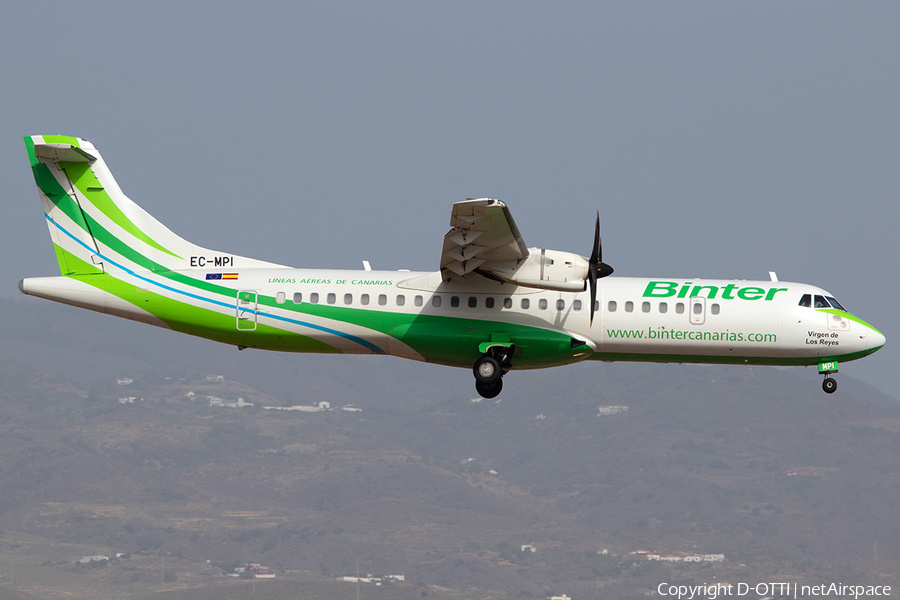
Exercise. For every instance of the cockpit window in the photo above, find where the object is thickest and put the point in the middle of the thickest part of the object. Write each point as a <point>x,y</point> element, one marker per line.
<point>806,300</point>
<point>836,304</point>
<point>821,302</point>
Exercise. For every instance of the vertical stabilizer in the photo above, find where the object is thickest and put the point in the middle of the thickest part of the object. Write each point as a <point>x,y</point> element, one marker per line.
<point>94,226</point>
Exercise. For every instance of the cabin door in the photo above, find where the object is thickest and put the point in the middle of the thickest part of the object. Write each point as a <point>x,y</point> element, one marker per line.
<point>246,310</point>
<point>698,310</point>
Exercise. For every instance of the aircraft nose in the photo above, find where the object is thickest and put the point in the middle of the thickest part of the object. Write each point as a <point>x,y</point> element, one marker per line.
<point>875,339</point>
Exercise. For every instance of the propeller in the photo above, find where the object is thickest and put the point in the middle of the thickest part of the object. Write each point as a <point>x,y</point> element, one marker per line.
<point>597,269</point>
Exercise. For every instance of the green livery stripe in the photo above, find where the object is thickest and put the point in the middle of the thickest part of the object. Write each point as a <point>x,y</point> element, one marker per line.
<point>29,146</point>
<point>51,188</point>
<point>448,340</point>
<point>75,265</point>
<point>61,259</point>
<point>797,361</point>
<point>83,178</point>
<point>846,315</point>
<point>203,322</point>
<point>48,184</point>
<point>61,139</point>
<point>103,235</point>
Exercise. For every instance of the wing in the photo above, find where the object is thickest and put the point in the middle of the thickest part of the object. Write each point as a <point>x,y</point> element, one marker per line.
<point>485,242</point>
<point>483,234</point>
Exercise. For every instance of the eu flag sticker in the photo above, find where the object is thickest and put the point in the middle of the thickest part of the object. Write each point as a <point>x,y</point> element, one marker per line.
<point>210,276</point>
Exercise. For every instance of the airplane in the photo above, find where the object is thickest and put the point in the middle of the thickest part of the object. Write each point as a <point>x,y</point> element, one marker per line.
<point>494,305</point>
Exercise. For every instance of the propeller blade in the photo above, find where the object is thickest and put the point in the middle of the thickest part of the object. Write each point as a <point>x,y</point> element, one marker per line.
<point>597,268</point>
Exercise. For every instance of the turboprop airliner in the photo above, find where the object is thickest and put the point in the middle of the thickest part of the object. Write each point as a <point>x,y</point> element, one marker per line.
<point>494,305</point>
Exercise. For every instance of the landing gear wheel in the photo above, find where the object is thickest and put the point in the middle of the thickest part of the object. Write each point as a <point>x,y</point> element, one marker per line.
<point>829,385</point>
<point>487,371</point>
<point>489,390</point>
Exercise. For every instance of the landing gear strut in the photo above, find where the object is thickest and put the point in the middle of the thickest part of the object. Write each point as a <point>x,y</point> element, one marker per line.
<point>490,368</point>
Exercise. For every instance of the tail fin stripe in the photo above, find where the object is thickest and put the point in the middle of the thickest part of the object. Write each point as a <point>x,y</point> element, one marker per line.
<point>60,198</point>
<point>84,179</point>
<point>78,190</point>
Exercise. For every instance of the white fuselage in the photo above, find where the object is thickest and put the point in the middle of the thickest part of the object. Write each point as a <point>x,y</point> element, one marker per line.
<point>637,319</point>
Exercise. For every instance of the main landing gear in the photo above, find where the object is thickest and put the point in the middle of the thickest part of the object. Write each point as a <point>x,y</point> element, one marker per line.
<point>829,385</point>
<point>490,369</point>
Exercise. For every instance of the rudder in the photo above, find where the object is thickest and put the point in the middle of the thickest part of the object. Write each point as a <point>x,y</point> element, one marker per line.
<point>74,245</point>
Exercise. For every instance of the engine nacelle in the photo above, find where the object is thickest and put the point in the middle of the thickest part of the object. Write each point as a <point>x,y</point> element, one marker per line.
<point>544,269</point>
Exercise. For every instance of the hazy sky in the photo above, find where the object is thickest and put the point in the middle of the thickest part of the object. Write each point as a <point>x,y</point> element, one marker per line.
<point>716,139</point>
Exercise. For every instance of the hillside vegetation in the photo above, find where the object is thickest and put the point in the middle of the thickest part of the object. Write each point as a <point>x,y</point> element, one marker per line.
<point>422,480</point>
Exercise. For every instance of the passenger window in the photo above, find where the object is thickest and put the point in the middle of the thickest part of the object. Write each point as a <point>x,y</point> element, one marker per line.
<point>331,298</point>
<point>821,302</point>
<point>401,300</point>
<point>629,306</point>
<point>489,302</point>
<point>806,300</point>
<point>382,299</point>
<point>698,308</point>
<point>612,306</point>
<point>835,303</point>
<point>663,308</point>
<point>279,297</point>
<point>645,307</point>
<point>596,306</point>
<point>714,309</point>
<point>542,304</point>
<point>454,301</point>
<point>314,297</point>
<point>526,302</point>
<point>679,308</point>
<point>436,301</point>
<point>298,298</point>
<point>560,304</point>
<point>348,299</point>
<point>364,299</point>
<point>473,301</point>
<point>507,303</point>
<point>576,305</point>
<point>418,301</point>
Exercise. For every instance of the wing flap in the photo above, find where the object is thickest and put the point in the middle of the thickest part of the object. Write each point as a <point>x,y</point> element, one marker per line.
<point>490,223</point>
<point>485,242</point>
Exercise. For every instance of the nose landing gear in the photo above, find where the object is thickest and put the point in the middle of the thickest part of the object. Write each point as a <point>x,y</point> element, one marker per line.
<point>490,368</point>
